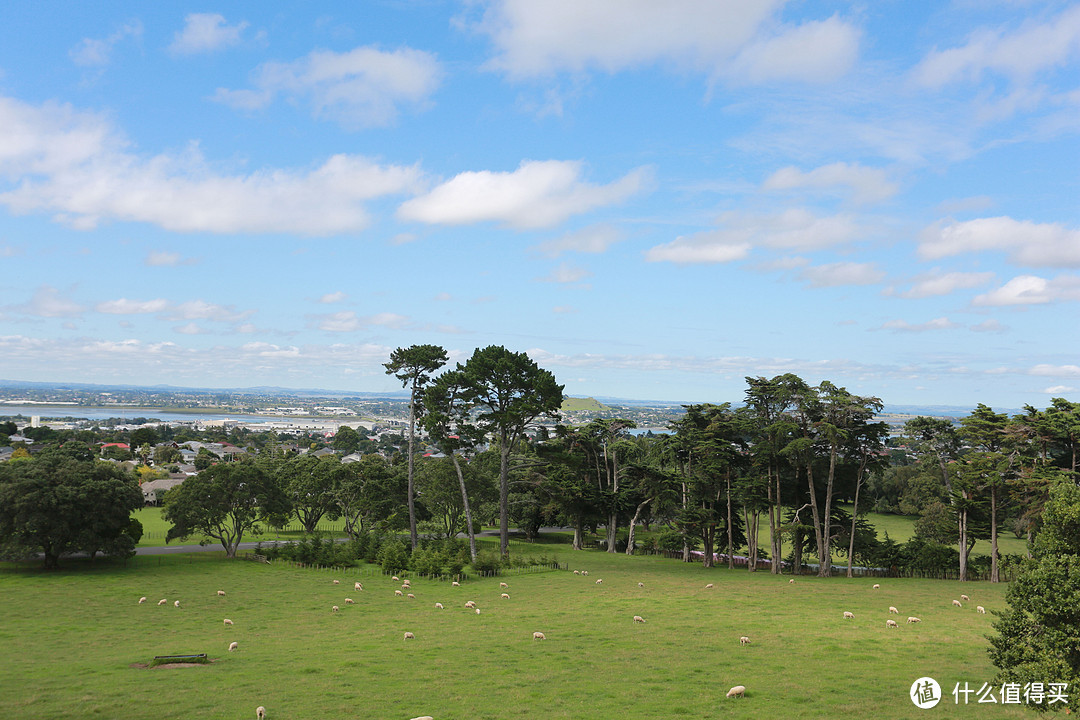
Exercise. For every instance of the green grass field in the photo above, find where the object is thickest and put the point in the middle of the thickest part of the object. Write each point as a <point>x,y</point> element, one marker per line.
<point>71,638</point>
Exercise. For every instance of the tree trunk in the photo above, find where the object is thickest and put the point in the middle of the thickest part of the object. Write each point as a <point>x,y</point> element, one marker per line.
<point>633,524</point>
<point>612,531</point>
<point>579,532</point>
<point>817,517</point>
<point>750,518</point>
<point>504,496</point>
<point>685,545</point>
<point>465,502</point>
<point>773,523</point>
<point>412,491</point>
<point>962,527</point>
<point>993,535</point>
<point>708,537</point>
<point>730,531</point>
<point>826,566</point>
<point>855,514</point>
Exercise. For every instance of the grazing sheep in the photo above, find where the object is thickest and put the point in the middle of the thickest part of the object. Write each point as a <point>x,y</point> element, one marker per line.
<point>233,646</point>
<point>965,598</point>
<point>221,593</point>
<point>737,691</point>
<point>576,572</point>
<point>709,586</point>
<point>410,595</point>
<point>791,581</point>
<point>142,599</point>
<point>891,623</point>
<point>504,596</point>
<point>539,636</point>
<point>744,640</point>
<point>638,618</point>
<point>405,585</point>
<point>584,572</point>
<point>398,593</point>
<point>455,584</point>
<point>260,713</point>
<point>162,601</point>
<point>424,717</point>
<point>358,586</point>
<point>503,585</point>
<point>228,622</point>
<point>913,620</point>
<point>849,615</point>
<point>957,603</point>
<point>395,578</point>
<point>334,609</point>
<point>641,584</point>
<point>599,581</point>
<point>470,604</point>
<point>409,636</point>
<point>477,611</point>
<point>337,582</point>
<point>980,609</point>
<point>176,603</point>
<point>876,586</point>
<point>893,611</point>
<point>349,601</point>
<point>439,606</point>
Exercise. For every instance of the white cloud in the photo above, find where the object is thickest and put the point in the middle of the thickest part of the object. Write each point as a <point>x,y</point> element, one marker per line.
<point>991,325</point>
<point>363,87</point>
<point>123,306</point>
<point>78,168</point>
<point>205,32</point>
<point>202,310</point>
<point>942,323</point>
<point>566,274</point>
<point>47,302</point>
<point>938,283</point>
<point>1018,54</point>
<point>349,321</point>
<point>189,329</point>
<point>538,194</point>
<point>334,297</point>
<point>1027,243</point>
<point>842,273</point>
<point>162,258</point>
<point>865,185</point>
<point>1032,290</point>
<point>1059,390</point>
<point>1047,370</point>
<point>712,246</point>
<point>593,239</point>
<point>93,52</point>
<point>741,41</point>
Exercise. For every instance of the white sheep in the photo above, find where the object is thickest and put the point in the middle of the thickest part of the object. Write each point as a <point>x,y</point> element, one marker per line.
<point>849,615</point>
<point>358,586</point>
<point>891,623</point>
<point>423,717</point>
<point>142,599</point>
<point>638,618</point>
<point>980,609</point>
<point>405,585</point>
<point>162,601</point>
<point>913,620</point>
<point>641,584</point>
<point>957,603</point>
<point>439,606</point>
<point>584,572</point>
<point>477,611</point>
<point>410,595</point>
<point>455,584</point>
<point>504,596</point>
<point>737,691</point>
<point>176,603</point>
<point>539,636</point>
<point>334,609</point>
<point>221,593</point>
<point>349,601</point>
<point>395,578</point>
<point>965,598</point>
<point>233,646</point>
<point>744,640</point>
<point>228,622</point>
<point>398,593</point>
<point>409,636</point>
<point>893,611</point>
<point>337,582</point>
<point>599,581</point>
<point>791,581</point>
<point>470,604</point>
<point>503,585</point>
<point>709,586</point>
<point>576,572</point>
<point>260,713</point>
<point>876,586</point>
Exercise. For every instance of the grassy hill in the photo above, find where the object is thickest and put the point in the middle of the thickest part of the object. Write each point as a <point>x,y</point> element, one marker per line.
<point>572,404</point>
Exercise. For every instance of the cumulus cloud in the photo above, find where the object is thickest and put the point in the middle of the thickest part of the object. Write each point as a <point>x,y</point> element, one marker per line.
<point>991,326</point>
<point>205,32</point>
<point>842,273</point>
<point>863,184</point>
<point>741,41</point>
<point>942,323</point>
<point>1047,370</point>
<point>48,302</point>
<point>123,306</point>
<point>566,274</point>
<point>363,87</point>
<point>710,247</point>
<point>334,297</point>
<point>96,52</point>
<point>74,165</point>
<point>1018,54</point>
<point>538,194</point>
<point>1059,390</point>
<point>349,321</point>
<point>938,283</point>
<point>593,239</point>
<point>1026,243</point>
<point>1032,290</point>
<point>161,258</point>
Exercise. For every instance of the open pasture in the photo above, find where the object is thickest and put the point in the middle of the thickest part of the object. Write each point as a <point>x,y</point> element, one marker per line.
<point>71,639</point>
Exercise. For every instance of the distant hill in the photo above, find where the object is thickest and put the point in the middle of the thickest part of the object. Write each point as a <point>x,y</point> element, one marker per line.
<point>573,404</point>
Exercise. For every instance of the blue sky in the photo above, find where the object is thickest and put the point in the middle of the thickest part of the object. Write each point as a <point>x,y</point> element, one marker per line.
<point>654,200</point>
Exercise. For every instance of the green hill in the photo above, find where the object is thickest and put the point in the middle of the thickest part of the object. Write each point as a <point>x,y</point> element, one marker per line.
<point>571,404</point>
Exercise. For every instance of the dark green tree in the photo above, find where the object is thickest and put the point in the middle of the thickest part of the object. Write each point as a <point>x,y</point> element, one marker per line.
<point>225,502</point>
<point>346,440</point>
<point>413,367</point>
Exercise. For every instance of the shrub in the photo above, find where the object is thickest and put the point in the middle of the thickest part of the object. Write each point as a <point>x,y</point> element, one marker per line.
<point>393,556</point>
<point>487,563</point>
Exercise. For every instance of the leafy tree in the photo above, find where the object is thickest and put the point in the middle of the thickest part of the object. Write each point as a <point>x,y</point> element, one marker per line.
<point>308,481</point>
<point>508,391</point>
<point>986,430</point>
<point>165,454</point>
<point>59,505</point>
<point>366,493</point>
<point>205,459</point>
<point>143,436</point>
<point>224,502</point>
<point>8,428</point>
<point>413,367</point>
<point>1038,636</point>
<point>346,440</point>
